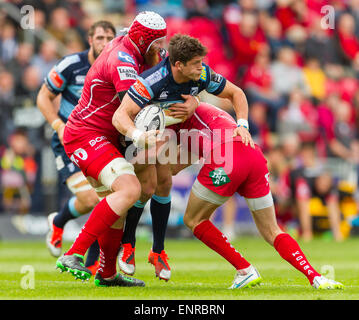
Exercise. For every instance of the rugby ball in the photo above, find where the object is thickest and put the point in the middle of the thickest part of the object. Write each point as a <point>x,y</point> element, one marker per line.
<point>149,118</point>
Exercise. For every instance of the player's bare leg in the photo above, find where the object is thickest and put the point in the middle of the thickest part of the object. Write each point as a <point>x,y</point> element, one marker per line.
<point>83,201</point>
<point>289,249</point>
<point>196,218</point>
<point>126,190</point>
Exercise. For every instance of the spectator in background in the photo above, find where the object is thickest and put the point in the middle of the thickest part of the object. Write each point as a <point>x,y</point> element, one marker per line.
<point>8,42</point>
<point>7,98</point>
<point>355,103</point>
<point>309,180</point>
<point>285,67</point>
<point>347,40</point>
<point>292,14</point>
<point>29,86</point>
<point>320,45</point>
<point>353,7</point>
<point>337,132</point>
<point>275,37</point>
<point>290,145</point>
<point>245,37</point>
<point>344,143</point>
<point>258,84</point>
<point>279,169</point>
<point>21,60</point>
<point>46,58</point>
<point>315,78</point>
<point>299,117</point>
<point>260,130</point>
<point>60,26</point>
<point>18,172</point>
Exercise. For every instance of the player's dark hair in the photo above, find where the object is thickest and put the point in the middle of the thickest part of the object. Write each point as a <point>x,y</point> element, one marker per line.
<point>105,25</point>
<point>184,48</point>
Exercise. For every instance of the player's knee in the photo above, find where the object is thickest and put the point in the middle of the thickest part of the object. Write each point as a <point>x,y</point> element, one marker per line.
<point>148,189</point>
<point>92,200</point>
<point>164,186</point>
<point>147,192</point>
<point>187,222</point>
<point>130,194</point>
<point>190,222</point>
<point>134,191</point>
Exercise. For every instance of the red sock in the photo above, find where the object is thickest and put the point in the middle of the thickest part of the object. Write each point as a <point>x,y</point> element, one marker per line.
<point>100,220</point>
<point>216,240</point>
<point>109,243</point>
<point>289,250</point>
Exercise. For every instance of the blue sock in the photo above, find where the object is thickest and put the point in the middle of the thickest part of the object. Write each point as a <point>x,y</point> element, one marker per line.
<point>67,213</point>
<point>160,211</point>
<point>92,254</point>
<point>132,219</point>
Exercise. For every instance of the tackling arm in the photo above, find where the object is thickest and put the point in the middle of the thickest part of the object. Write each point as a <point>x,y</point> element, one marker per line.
<point>240,106</point>
<point>123,117</point>
<point>238,99</point>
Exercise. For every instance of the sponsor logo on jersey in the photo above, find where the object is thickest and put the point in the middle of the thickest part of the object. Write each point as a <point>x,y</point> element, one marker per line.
<point>96,140</point>
<point>163,95</point>
<point>125,57</point>
<point>194,91</point>
<point>203,74</point>
<point>219,177</point>
<point>215,77</point>
<point>80,79</point>
<point>164,71</point>
<point>127,73</point>
<point>56,79</point>
<point>154,77</point>
<point>141,90</point>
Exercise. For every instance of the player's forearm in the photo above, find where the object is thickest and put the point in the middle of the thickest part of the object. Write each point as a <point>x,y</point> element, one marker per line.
<point>240,104</point>
<point>122,120</point>
<point>45,103</point>
<point>238,99</point>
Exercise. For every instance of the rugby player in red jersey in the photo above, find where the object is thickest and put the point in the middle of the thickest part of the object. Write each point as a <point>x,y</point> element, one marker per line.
<point>91,141</point>
<point>67,78</point>
<point>232,163</point>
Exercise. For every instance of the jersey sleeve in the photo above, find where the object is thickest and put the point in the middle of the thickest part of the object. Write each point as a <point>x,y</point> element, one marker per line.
<point>214,81</point>
<point>141,92</point>
<point>58,77</point>
<point>123,70</point>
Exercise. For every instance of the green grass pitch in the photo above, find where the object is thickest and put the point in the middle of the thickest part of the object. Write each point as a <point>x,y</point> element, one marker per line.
<point>197,273</point>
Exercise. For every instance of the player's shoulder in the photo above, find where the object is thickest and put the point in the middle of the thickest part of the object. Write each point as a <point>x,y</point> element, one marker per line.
<point>72,61</point>
<point>120,54</point>
<point>158,74</point>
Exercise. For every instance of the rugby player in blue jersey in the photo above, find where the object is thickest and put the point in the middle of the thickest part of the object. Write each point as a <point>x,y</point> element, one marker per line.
<point>67,78</point>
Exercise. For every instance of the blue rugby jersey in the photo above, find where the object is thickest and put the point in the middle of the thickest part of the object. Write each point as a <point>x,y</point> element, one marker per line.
<point>68,77</point>
<point>156,85</point>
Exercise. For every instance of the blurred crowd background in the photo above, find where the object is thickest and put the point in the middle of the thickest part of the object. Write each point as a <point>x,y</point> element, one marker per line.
<point>299,69</point>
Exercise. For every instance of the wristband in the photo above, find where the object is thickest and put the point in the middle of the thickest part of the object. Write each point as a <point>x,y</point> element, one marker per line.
<point>56,124</point>
<point>243,123</point>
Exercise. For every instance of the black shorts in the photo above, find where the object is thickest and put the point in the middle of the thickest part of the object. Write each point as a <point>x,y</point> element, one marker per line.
<point>65,167</point>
